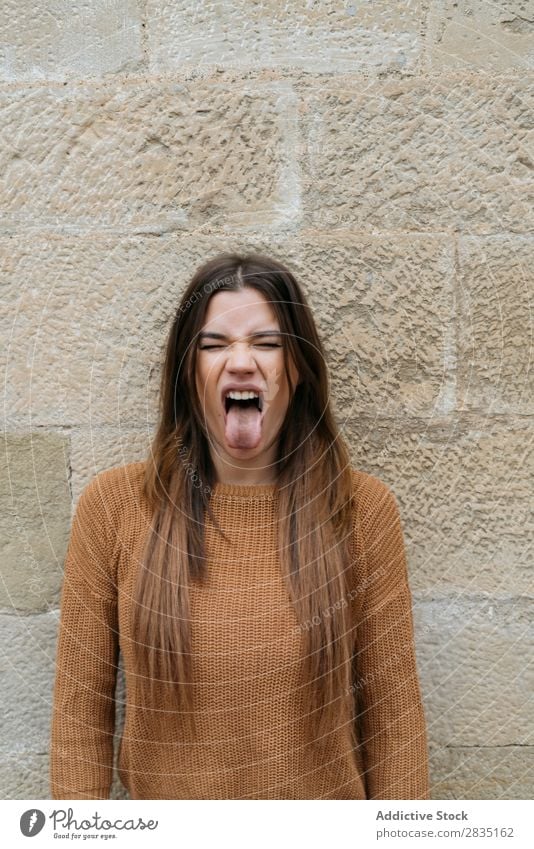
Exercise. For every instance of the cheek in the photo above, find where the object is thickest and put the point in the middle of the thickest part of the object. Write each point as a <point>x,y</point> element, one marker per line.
<point>203,373</point>
<point>206,386</point>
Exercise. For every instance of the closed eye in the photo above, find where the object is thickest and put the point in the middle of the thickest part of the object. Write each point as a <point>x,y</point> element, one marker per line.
<point>259,345</point>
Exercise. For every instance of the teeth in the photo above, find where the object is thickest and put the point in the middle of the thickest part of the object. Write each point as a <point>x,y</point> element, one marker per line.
<point>241,396</point>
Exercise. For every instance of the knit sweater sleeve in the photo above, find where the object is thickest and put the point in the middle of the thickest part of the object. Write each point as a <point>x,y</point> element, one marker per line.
<point>81,754</point>
<point>392,720</point>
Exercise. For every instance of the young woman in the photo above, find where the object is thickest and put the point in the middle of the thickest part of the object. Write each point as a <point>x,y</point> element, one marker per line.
<point>254,582</point>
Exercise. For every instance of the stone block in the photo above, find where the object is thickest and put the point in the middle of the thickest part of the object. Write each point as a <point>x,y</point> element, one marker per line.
<point>442,153</point>
<point>69,39</point>
<point>151,155</point>
<point>496,334</point>
<point>27,671</point>
<point>94,451</point>
<point>384,306</point>
<point>464,489</point>
<point>376,36</point>
<point>34,518</point>
<point>501,772</point>
<point>24,775</point>
<point>476,35</point>
<point>476,671</point>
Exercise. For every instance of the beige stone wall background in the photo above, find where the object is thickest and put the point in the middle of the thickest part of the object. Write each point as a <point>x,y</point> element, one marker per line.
<point>384,151</point>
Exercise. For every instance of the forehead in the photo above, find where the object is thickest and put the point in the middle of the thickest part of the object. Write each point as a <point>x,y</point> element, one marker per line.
<point>246,309</point>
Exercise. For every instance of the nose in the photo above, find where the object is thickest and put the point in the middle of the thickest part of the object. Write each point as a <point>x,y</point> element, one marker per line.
<point>241,357</point>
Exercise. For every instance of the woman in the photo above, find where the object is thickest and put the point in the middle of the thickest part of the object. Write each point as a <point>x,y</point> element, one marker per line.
<point>255,584</point>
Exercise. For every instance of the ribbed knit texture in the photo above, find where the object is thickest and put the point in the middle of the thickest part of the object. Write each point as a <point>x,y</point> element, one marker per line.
<point>255,739</point>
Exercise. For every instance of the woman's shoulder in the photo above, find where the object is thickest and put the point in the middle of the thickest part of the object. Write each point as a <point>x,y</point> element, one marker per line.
<point>115,489</point>
<point>373,497</point>
<point>369,486</point>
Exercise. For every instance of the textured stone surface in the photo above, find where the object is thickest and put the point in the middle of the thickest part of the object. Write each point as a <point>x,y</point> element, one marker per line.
<point>476,666</point>
<point>69,38</point>
<point>384,307</point>
<point>94,451</point>
<point>24,775</point>
<point>75,351</point>
<point>380,35</point>
<point>419,154</point>
<point>496,331</point>
<point>153,154</point>
<point>475,34</point>
<point>85,332</point>
<point>27,662</point>
<point>465,494</point>
<point>505,772</point>
<point>34,518</point>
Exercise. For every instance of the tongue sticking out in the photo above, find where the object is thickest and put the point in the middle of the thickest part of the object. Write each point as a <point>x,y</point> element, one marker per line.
<point>243,426</point>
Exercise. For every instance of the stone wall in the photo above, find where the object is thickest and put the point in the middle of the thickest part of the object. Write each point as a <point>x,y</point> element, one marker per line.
<point>384,151</point>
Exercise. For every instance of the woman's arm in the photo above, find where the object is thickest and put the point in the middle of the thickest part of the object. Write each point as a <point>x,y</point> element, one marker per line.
<point>81,754</point>
<point>392,720</point>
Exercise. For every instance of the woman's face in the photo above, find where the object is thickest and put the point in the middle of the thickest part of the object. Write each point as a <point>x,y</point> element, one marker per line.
<point>240,346</point>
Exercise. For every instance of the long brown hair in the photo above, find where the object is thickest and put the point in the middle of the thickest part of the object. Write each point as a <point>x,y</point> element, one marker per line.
<point>313,487</point>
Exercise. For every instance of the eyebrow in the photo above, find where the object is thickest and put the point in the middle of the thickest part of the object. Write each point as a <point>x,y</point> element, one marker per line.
<point>251,336</point>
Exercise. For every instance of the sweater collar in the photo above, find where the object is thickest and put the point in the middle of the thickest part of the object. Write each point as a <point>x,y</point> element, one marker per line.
<point>247,492</point>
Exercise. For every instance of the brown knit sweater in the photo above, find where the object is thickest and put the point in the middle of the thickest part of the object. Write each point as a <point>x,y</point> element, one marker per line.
<point>255,740</point>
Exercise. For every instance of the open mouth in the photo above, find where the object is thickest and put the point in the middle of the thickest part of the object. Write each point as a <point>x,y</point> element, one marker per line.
<point>243,403</point>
